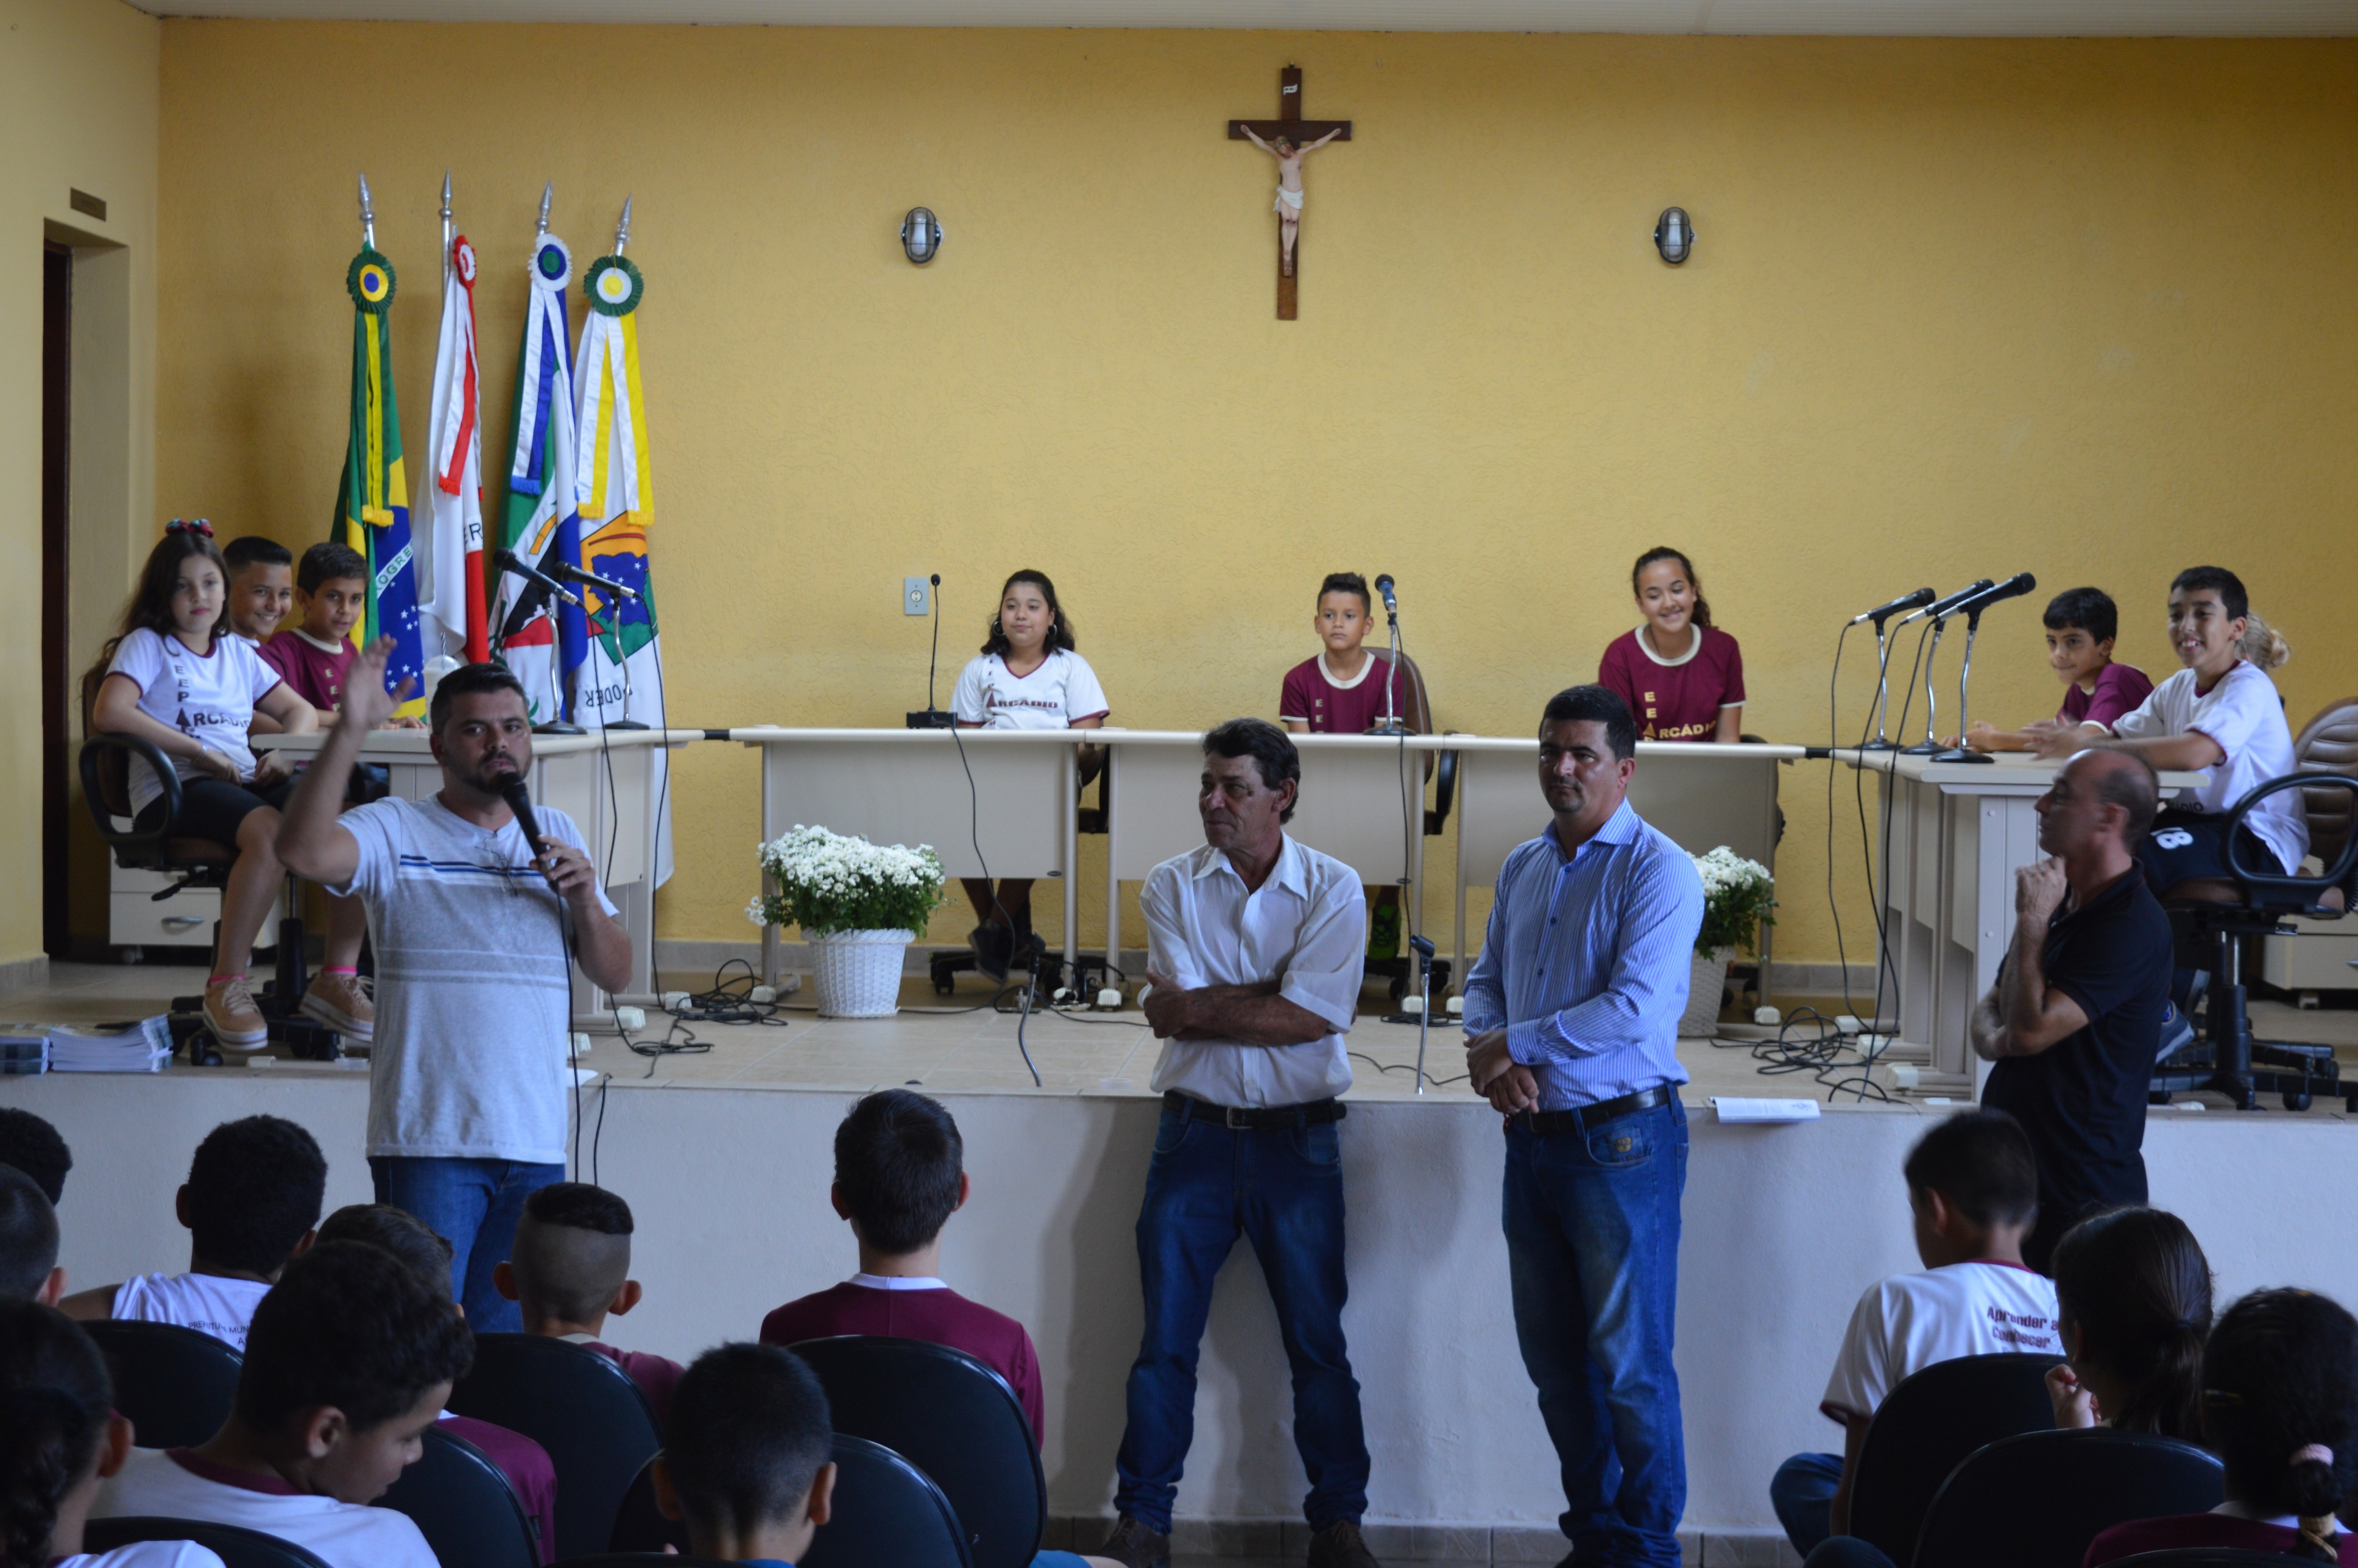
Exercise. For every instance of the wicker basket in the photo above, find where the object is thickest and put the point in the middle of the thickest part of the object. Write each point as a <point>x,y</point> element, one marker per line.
<point>858,973</point>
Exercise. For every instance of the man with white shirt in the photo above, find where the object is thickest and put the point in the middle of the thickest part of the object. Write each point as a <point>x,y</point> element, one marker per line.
<point>1256,947</point>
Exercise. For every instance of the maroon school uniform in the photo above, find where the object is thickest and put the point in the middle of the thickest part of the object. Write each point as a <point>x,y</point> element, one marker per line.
<point>1675,699</point>
<point>918,1309</point>
<point>2120,688</point>
<point>1312,697</point>
<point>526,1465</point>
<point>315,674</point>
<point>2178,1532</point>
<point>656,1376</point>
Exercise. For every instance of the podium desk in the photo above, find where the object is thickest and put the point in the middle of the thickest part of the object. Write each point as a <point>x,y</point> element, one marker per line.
<point>1950,836</point>
<point>607,781</point>
<point>1701,794</point>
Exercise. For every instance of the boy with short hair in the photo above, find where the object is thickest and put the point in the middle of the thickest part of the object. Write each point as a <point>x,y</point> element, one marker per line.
<point>251,1199</point>
<point>571,1267</point>
<point>36,1148</point>
<point>1974,1189</point>
<point>315,653</point>
<point>1333,694</point>
<point>260,584</point>
<point>748,1460</point>
<point>349,1362</point>
<point>28,1241</point>
<point>2082,624</point>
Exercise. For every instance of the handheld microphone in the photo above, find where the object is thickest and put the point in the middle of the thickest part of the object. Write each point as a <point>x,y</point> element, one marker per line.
<point>509,561</point>
<point>1942,606</point>
<point>1384,590</point>
<point>934,717</point>
<point>2014,587</point>
<point>519,799</point>
<point>568,571</point>
<point>1882,612</point>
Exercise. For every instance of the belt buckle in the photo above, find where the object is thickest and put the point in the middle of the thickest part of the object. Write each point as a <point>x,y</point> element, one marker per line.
<point>1236,1117</point>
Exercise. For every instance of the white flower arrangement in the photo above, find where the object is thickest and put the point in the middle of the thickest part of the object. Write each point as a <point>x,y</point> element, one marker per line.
<point>828,884</point>
<point>1737,896</point>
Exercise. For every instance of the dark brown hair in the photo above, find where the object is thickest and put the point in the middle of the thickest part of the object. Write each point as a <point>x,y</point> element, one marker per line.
<point>2135,1285</point>
<point>150,607</point>
<point>1060,629</point>
<point>1686,569</point>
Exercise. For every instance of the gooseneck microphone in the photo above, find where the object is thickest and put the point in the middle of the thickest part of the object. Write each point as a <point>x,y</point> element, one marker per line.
<point>607,586</point>
<point>2014,587</point>
<point>931,717</point>
<point>1384,592</point>
<point>1941,607</point>
<point>509,561</point>
<point>1883,613</point>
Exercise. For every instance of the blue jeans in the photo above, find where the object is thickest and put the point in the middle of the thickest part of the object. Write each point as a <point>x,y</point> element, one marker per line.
<point>1592,1223</point>
<point>1803,1493</point>
<point>474,1205</point>
<point>1281,1189</point>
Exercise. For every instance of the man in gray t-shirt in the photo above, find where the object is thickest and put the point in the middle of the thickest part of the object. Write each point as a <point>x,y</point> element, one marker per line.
<point>474,932</point>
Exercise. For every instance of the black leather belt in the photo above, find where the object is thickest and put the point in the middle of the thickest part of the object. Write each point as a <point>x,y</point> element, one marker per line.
<point>1580,1119</point>
<point>1255,1119</point>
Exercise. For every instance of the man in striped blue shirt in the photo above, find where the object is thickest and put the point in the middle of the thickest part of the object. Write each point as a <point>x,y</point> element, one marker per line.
<point>1572,1018</point>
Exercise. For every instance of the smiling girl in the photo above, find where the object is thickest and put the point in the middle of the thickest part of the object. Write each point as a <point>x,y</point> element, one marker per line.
<point>1026,678</point>
<point>176,678</point>
<point>1681,676</point>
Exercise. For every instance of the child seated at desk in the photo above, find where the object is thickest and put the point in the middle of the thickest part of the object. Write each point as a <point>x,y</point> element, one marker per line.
<point>1343,691</point>
<point>1027,677</point>
<point>571,1267</point>
<point>261,585</point>
<point>2081,625</point>
<point>250,1203</point>
<point>1681,676</point>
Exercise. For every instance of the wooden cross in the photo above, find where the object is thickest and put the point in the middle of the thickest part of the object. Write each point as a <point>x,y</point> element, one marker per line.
<point>1290,125</point>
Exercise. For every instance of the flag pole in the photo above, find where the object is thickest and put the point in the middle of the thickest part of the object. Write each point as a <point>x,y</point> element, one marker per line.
<point>547,194</point>
<point>622,229</point>
<point>368,216</point>
<point>446,232</point>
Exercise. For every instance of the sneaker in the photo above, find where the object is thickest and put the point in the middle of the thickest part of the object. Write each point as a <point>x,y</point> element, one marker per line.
<point>1133,1545</point>
<point>230,1013</point>
<point>1340,1545</point>
<point>993,944</point>
<point>2177,1033</point>
<point>342,1002</point>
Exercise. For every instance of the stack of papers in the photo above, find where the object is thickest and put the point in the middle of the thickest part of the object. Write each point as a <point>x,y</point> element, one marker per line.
<point>24,1048</point>
<point>144,1047</point>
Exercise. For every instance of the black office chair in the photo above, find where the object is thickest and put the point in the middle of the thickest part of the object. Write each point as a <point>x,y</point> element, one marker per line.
<point>2226,1060</point>
<point>1926,1426</point>
<point>175,1384</point>
<point>2203,1557</point>
<point>463,1505</point>
<point>236,1547</point>
<point>640,1524</point>
<point>886,1511</point>
<point>953,1418</point>
<point>642,1560</point>
<point>580,1406</point>
<point>2037,1500</point>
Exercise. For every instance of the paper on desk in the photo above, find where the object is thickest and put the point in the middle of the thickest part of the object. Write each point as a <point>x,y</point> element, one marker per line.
<point>1740,1108</point>
<point>144,1047</point>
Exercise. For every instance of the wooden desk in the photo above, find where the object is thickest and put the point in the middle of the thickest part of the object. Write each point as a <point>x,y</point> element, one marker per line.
<point>606,780</point>
<point>1956,833</point>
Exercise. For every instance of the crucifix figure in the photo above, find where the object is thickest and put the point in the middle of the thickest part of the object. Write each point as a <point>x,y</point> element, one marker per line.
<point>1289,138</point>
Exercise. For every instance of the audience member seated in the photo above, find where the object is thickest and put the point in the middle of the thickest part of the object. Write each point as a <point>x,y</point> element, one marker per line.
<point>2082,624</point>
<point>1681,676</point>
<point>252,1194</point>
<point>2280,1409</point>
<point>36,1148</point>
<point>2133,1290</point>
<point>349,1360</point>
<point>29,1242</point>
<point>1974,1190</point>
<point>747,1462</point>
<point>60,1443</point>
<point>426,1256</point>
<point>261,586</point>
<point>571,1267</point>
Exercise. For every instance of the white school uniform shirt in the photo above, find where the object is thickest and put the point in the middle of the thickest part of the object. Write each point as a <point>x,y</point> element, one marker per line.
<point>211,698</point>
<point>209,1303</point>
<point>2246,717</point>
<point>145,1554</point>
<point>1305,926</point>
<point>1907,1323</point>
<point>176,1484</point>
<point>1061,693</point>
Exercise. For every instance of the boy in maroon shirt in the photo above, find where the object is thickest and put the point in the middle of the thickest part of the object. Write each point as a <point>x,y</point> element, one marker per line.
<point>313,654</point>
<point>1347,690</point>
<point>571,1267</point>
<point>2081,625</point>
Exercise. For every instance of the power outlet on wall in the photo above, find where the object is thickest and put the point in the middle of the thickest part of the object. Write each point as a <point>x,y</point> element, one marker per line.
<point>916,595</point>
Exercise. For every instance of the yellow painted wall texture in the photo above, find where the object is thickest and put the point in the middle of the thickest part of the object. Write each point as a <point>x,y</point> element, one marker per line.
<point>1958,308</point>
<point>78,105</point>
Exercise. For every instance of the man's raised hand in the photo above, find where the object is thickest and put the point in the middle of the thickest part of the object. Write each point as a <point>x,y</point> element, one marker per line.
<point>2039,887</point>
<point>367,705</point>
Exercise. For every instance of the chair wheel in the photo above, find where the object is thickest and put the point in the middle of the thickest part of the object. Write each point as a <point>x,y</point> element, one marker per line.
<point>203,1050</point>
<point>2296,1100</point>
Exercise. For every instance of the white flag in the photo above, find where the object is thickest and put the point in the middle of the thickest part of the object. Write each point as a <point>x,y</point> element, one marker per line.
<point>452,540</point>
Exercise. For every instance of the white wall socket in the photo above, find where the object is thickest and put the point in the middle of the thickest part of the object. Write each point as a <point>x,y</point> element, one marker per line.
<point>916,595</point>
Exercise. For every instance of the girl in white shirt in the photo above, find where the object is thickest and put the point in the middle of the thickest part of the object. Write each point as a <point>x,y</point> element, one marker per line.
<point>176,677</point>
<point>1027,677</point>
<point>59,1438</point>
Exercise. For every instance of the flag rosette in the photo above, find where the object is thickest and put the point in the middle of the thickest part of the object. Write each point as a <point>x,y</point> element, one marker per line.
<point>613,286</point>
<point>370,281</point>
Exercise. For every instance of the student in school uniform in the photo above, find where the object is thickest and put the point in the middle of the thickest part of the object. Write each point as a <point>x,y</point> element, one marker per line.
<point>63,1444</point>
<point>174,678</point>
<point>34,1147</point>
<point>1027,677</point>
<point>29,1242</point>
<point>747,1461</point>
<point>2081,625</point>
<point>570,1268</point>
<point>250,1203</point>
<point>261,586</point>
<point>1681,676</point>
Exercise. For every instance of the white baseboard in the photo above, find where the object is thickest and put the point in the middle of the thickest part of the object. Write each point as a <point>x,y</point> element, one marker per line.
<point>25,974</point>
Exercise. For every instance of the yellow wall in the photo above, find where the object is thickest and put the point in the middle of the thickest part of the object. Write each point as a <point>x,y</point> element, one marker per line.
<point>78,104</point>
<point>1958,307</point>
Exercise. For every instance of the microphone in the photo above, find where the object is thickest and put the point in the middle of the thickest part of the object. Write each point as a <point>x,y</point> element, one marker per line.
<point>1942,607</point>
<point>509,561</point>
<point>2014,587</point>
<point>1884,612</point>
<point>519,799</point>
<point>607,586</point>
<point>1384,590</point>
<point>932,717</point>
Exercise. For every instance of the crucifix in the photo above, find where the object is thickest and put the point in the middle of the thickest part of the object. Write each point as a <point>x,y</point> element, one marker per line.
<point>1289,138</point>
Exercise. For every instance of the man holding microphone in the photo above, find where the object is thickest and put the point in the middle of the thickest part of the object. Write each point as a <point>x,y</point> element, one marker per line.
<point>475,932</point>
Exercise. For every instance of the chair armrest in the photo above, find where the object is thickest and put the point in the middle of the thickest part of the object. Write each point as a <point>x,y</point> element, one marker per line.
<point>1445,795</point>
<point>2334,875</point>
<point>148,844</point>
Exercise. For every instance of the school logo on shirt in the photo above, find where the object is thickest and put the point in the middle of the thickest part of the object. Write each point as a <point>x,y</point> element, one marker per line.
<point>2173,839</point>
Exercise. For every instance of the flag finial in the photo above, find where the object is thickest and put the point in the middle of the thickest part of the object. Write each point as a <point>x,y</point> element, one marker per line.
<point>368,216</point>
<point>445,196</point>
<point>622,229</point>
<point>547,194</point>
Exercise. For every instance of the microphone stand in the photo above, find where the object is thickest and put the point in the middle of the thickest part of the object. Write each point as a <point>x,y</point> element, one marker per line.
<point>1882,687</point>
<point>1959,753</point>
<point>1391,724</point>
<point>1928,746</point>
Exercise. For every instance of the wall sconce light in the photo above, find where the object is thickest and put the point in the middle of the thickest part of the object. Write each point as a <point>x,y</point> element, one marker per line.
<point>921,235</point>
<point>1674,235</point>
